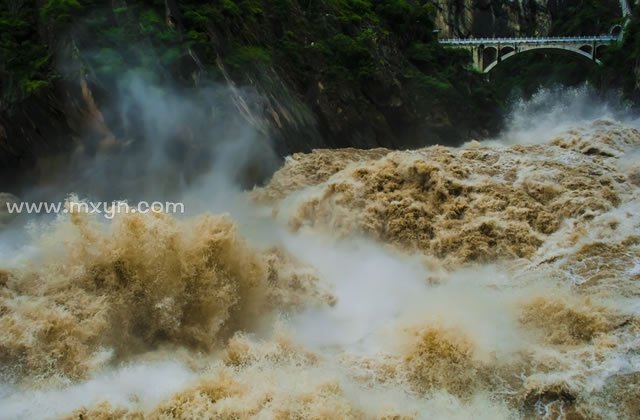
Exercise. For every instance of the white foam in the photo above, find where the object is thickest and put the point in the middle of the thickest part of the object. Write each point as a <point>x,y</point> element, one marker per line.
<point>136,386</point>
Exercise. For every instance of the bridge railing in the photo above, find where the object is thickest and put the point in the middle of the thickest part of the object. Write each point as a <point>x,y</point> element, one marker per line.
<point>529,40</point>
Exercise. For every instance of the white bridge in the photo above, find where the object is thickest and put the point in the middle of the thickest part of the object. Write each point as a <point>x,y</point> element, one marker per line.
<point>489,52</point>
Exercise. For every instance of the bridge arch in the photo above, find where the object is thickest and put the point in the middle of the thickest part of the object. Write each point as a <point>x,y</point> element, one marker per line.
<point>585,52</point>
<point>507,49</point>
<point>489,54</point>
<point>587,48</point>
<point>616,30</point>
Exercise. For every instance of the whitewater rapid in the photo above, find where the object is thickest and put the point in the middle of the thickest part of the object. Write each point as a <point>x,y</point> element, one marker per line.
<point>491,280</point>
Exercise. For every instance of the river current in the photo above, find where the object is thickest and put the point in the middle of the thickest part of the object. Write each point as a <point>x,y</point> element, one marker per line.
<point>498,279</point>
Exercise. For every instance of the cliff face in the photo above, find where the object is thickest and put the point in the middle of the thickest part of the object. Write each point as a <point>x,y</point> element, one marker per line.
<point>493,18</point>
<point>506,18</point>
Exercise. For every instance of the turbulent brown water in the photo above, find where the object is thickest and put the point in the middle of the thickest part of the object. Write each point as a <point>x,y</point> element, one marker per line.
<point>493,280</point>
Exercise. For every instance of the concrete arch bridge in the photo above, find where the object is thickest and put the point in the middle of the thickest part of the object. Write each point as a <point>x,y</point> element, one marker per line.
<point>489,52</point>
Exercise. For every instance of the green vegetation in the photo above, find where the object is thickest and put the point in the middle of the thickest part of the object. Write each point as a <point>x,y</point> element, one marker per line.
<point>350,45</point>
<point>130,37</point>
<point>586,17</point>
<point>24,61</point>
<point>249,58</point>
<point>111,40</point>
<point>621,62</point>
<point>60,10</point>
<point>362,54</point>
<point>378,60</point>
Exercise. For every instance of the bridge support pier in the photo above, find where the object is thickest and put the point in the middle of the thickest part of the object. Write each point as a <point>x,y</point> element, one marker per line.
<point>478,57</point>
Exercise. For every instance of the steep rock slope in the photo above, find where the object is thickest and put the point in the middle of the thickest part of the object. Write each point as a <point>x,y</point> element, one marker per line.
<point>508,18</point>
<point>488,18</point>
<point>304,74</point>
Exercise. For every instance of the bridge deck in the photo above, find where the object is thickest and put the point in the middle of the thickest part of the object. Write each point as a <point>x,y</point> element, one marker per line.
<point>542,40</point>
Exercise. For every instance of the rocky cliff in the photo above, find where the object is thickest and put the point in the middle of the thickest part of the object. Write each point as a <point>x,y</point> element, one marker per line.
<point>508,18</point>
<point>490,18</point>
